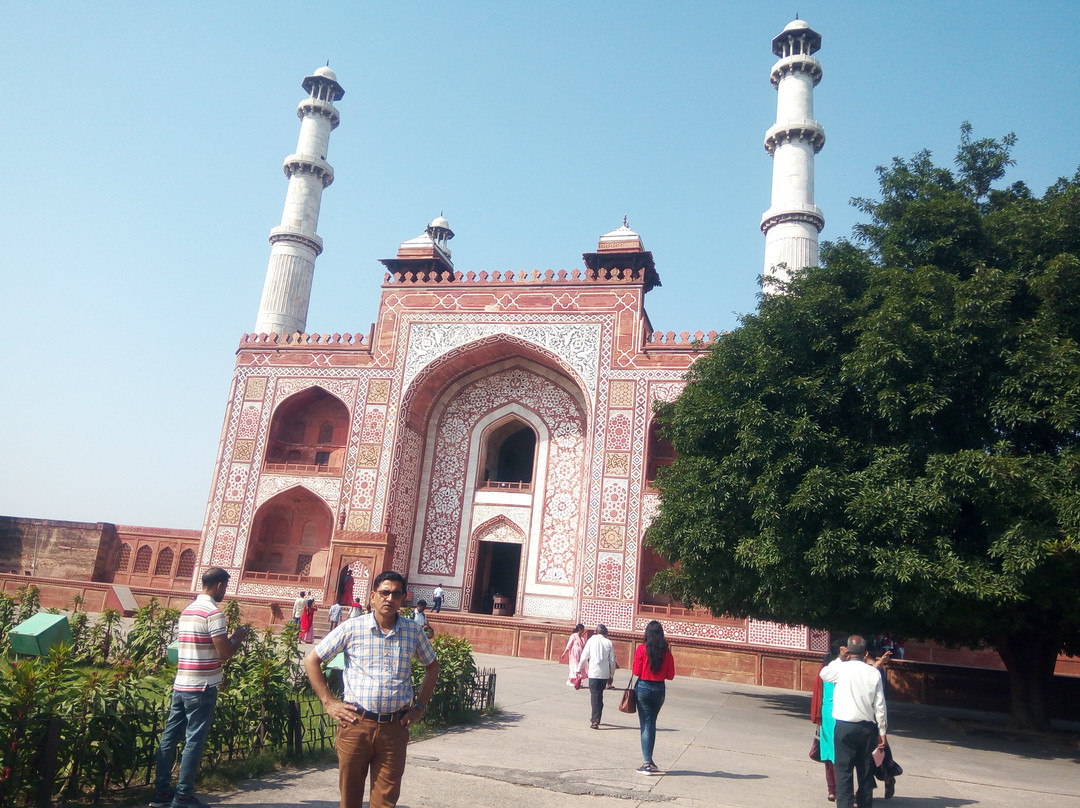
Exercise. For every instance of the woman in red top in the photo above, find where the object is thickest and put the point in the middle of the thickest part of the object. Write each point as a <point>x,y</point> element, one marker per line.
<point>653,664</point>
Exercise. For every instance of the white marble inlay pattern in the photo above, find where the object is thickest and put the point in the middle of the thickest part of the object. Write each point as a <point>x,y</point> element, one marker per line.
<point>578,344</point>
<point>326,488</point>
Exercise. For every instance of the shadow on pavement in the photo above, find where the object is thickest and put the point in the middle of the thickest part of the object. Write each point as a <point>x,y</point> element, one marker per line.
<point>725,775</point>
<point>795,705</point>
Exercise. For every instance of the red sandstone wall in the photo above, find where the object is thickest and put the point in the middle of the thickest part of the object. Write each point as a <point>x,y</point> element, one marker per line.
<point>61,549</point>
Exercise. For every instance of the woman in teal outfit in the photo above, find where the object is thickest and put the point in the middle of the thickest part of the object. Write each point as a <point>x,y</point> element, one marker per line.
<point>821,714</point>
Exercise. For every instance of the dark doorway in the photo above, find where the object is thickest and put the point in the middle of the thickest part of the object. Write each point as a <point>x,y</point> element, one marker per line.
<point>497,568</point>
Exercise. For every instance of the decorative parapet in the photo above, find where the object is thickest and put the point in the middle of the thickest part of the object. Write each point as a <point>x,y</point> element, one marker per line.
<point>536,276</point>
<point>302,339</point>
<point>683,340</point>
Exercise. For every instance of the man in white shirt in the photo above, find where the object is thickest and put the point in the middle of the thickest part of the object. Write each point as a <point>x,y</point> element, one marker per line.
<point>859,710</point>
<point>298,608</point>
<point>437,596</point>
<point>598,659</point>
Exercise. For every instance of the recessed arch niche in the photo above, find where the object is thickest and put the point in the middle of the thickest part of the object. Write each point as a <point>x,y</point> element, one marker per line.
<point>308,434</point>
<point>508,459</point>
<point>290,538</point>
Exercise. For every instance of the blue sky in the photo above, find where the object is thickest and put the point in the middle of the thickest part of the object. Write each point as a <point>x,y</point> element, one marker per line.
<point>144,143</point>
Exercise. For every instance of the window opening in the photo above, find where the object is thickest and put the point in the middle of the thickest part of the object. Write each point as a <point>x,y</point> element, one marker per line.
<point>510,457</point>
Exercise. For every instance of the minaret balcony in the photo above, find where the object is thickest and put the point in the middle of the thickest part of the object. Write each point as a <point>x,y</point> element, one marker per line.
<point>309,164</point>
<point>799,63</point>
<point>806,131</point>
<point>317,106</point>
<point>793,212</point>
<point>295,234</point>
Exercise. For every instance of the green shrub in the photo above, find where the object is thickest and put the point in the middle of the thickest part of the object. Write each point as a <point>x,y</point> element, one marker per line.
<point>450,700</point>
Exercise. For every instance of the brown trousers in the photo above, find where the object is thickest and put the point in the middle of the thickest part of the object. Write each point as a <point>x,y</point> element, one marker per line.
<point>380,747</point>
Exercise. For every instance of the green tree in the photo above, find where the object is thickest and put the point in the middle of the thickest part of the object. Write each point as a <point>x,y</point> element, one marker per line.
<point>894,441</point>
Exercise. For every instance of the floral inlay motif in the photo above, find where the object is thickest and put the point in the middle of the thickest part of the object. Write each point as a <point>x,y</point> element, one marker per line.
<point>562,499</point>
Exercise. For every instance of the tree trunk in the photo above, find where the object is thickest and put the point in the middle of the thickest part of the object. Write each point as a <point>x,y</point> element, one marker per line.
<point>1030,659</point>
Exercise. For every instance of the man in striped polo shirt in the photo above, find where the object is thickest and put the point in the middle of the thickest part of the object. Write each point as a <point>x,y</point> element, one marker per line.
<point>374,718</point>
<point>203,646</point>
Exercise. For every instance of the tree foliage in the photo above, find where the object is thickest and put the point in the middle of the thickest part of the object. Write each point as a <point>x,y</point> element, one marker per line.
<point>894,441</point>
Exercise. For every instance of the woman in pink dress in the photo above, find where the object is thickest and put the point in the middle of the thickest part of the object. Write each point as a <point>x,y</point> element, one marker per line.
<point>573,647</point>
<point>307,622</point>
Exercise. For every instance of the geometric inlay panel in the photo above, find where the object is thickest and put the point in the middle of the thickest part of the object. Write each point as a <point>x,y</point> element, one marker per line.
<point>547,606</point>
<point>255,388</point>
<point>367,455</point>
<point>612,537</point>
<point>621,395</point>
<point>762,632</point>
<point>616,614</point>
<point>619,429</point>
<point>617,464</point>
<point>378,391</point>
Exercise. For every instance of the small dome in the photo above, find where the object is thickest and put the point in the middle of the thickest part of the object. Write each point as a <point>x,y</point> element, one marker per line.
<point>796,25</point>
<point>439,221</point>
<point>325,72</point>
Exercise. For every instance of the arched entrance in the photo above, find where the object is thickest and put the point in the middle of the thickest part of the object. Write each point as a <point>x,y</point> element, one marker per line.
<point>504,440</point>
<point>498,567</point>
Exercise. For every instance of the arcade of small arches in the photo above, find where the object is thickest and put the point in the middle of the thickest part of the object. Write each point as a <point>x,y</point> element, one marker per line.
<point>144,564</point>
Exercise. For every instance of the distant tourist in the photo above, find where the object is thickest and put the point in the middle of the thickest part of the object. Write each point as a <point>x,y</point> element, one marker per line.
<point>379,703</point>
<point>298,608</point>
<point>653,665</point>
<point>307,622</point>
<point>859,711</point>
<point>437,598</point>
<point>203,646</point>
<point>418,613</point>
<point>598,660</point>
<point>574,643</point>
<point>334,615</point>
<point>821,713</point>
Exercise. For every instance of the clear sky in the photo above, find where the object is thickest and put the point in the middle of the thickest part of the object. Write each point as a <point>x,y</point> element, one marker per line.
<point>144,144</point>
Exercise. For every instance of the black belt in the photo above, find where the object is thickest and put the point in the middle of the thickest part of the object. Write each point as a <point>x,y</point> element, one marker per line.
<point>380,718</point>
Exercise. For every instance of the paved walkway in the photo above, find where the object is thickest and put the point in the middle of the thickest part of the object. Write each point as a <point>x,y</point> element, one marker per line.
<point>720,744</point>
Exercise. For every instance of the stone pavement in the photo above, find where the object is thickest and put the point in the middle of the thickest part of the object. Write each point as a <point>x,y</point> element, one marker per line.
<point>720,744</point>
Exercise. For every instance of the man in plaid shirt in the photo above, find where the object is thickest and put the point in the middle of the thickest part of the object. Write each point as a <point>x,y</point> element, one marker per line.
<point>378,707</point>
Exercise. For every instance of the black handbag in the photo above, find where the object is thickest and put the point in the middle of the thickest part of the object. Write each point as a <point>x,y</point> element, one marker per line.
<point>815,747</point>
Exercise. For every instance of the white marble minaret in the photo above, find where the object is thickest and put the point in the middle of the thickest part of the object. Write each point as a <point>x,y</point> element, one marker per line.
<point>792,222</point>
<point>295,244</point>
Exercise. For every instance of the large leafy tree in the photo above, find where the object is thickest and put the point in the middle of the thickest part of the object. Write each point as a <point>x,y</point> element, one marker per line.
<point>893,441</point>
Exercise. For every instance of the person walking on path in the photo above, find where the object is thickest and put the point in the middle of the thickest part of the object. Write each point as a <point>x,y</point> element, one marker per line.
<point>574,644</point>
<point>298,608</point>
<point>598,658</point>
<point>653,665</point>
<point>859,712</point>
<point>821,714</point>
<point>307,622</point>
<point>437,597</point>
<point>334,615</point>
<point>379,703</point>
<point>203,646</point>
